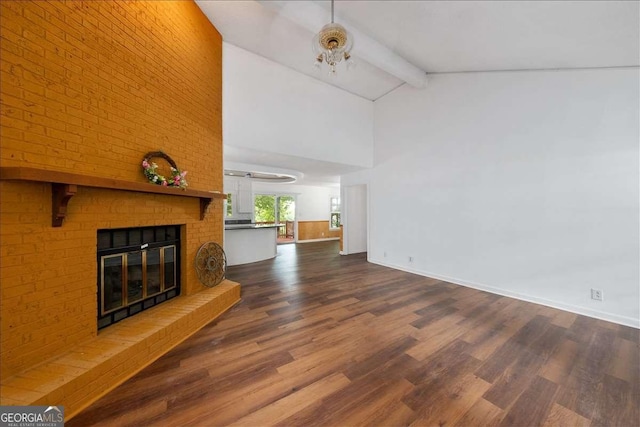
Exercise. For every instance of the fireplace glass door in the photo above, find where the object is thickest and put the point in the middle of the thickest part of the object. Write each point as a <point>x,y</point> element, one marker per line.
<point>130,277</point>
<point>138,273</point>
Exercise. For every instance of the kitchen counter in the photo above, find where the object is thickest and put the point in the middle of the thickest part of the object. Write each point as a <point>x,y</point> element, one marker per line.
<point>245,243</point>
<point>247,226</point>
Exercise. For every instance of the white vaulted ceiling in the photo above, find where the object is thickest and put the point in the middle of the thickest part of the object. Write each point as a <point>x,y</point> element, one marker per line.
<point>432,36</point>
<point>437,36</point>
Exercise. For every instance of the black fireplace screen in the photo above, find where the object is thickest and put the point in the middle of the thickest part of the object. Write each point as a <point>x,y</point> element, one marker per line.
<point>138,268</point>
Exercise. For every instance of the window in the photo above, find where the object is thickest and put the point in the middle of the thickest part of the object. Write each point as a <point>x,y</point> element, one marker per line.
<point>334,222</point>
<point>229,205</point>
<point>273,209</point>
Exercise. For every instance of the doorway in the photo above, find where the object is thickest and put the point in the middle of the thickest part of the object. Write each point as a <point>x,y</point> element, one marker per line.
<point>279,210</point>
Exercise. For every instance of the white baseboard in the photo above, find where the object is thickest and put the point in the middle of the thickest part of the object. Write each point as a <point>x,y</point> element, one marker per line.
<point>318,240</point>
<point>609,317</point>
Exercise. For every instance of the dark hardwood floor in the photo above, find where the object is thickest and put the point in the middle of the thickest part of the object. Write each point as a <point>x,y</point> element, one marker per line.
<point>321,339</point>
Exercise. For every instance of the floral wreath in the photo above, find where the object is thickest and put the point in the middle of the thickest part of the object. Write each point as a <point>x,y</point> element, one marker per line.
<point>177,178</point>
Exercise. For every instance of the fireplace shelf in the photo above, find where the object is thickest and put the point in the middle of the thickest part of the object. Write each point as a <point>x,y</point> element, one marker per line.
<point>64,186</point>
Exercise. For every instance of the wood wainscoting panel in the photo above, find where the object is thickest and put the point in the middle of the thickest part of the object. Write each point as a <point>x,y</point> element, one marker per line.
<point>316,230</point>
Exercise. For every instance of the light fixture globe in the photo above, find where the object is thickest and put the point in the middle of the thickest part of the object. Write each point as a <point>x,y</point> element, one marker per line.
<point>332,44</point>
<point>333,36</point>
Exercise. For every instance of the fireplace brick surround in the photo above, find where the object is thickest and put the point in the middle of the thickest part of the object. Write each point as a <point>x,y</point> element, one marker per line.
<point>88,88</point>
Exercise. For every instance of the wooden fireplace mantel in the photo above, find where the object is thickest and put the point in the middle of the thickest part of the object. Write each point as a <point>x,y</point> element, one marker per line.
<point>64,186</point>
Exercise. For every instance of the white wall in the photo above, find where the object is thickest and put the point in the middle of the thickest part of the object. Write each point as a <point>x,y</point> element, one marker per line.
<point>521,183</point>
<point>269,107</point>
<point>354,219</point>
<point>312,203</point>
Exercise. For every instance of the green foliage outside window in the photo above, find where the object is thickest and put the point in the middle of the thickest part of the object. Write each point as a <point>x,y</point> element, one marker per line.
<point>335,220</point>
<point>335,213</point>
<point>264,208</point>
<point>286,208</point>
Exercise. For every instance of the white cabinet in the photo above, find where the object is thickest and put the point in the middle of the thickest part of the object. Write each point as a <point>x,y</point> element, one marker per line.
<point>241,194</point>
<point>245,196</point>
<point>230,185</point>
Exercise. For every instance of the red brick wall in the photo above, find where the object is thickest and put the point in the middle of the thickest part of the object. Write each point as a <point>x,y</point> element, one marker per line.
<point>89,87</point>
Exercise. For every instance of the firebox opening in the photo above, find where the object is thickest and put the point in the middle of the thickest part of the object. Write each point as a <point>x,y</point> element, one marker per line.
<point>138,268</point>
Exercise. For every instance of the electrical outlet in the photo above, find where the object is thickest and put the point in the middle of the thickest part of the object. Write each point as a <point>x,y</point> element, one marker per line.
<point>596,294</point>
<point>410,259</point>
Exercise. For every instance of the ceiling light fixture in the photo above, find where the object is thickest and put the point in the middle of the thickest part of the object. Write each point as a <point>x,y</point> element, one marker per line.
<point>308,14</point>
<point>333,44</point>
<point>262,176</point>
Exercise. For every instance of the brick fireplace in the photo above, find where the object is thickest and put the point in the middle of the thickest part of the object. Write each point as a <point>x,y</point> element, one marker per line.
<point>87,89</point>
